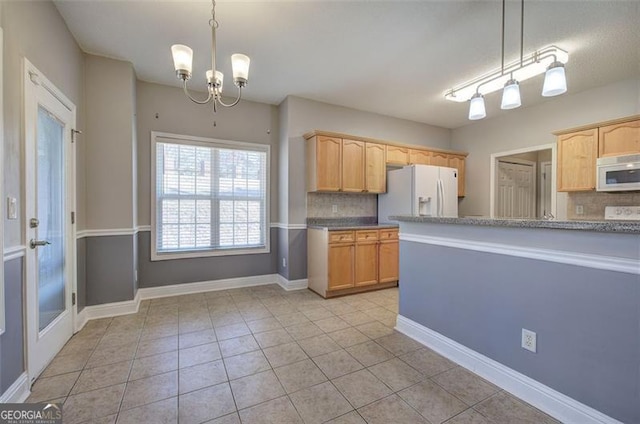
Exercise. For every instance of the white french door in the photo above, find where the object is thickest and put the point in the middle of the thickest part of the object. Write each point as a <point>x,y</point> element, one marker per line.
<point>49,200</point>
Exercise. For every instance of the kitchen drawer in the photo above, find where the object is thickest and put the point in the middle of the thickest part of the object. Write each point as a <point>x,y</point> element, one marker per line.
<point>341,237</point>
<point>390,234</point>
<point>367,235</point>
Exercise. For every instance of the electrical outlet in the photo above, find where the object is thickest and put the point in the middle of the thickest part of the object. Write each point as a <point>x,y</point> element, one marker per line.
<point>334,208</point>
<point>284,262</point>
<point>529,341</point>
<point>579,210</point>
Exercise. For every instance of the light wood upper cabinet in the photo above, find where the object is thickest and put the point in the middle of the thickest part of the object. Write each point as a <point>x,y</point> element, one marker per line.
<point>376,170</point>
<point>419,157</point>
<point>353,169</point>
<point>439,159</point>
<point>458,162</point>
<point>397,155</point>
<point>577,153</point>
<point>619,139</point>
<point>324,160</point>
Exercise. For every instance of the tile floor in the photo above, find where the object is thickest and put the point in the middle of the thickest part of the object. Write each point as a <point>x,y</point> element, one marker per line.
<point>263,355</point>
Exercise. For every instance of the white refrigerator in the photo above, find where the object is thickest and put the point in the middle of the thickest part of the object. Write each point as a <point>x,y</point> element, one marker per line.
<point>420,190</point>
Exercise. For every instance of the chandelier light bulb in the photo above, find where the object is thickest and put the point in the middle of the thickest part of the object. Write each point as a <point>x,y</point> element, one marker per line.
<point>511,95</point>
<point>476,107</point>
<point>555,81</point>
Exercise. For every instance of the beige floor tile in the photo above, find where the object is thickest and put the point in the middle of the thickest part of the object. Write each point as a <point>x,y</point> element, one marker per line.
<point>63,364</point>
<point>369,353</point>
<point>351,418</point>
<point>254,314</point>
<point>95,404</point>
<point>111,355</point>
<point>348,337</point>
<point>331,324</point>
<point>80,344</point>
<point>427,362</point>
<point>280,411</point>
<point>361,388</point>
<point>197,338</point>
<point>205,404</point>
<point>375,329</point>
<point>284,309</point>
<point>295,318</point>
<point>191,325</point>
<point>337,364</point>
<point>262,325</point>
<point>357,318</point>
<point>238,345</point>
<point>150,389</point>
<point>227,419</point>
<point>153,365</point>
<point>299,375</point>
<point>391,409</point>
<point>396,374</point>
<point>108,375</point>
<point>199,355</point>
<point>109,419</point>
<point>231,331</point>
<point>162,412</point>
<point>226,319</point>
<point>53,387</point>
<point>316,313</point>
<point>255,389</point>
<point>465,385</point>
<point>432,401</point>
<point>504,408</point>
<point>469,417</point>
<point>118,338</point>
<point>320,403</point>
<point>398,343</point>
<point>200,376</point>
<point>284,354</point>
<point>302,331</point>
<point>340,308</point>
<point>318,345</point>
<point>157,331</point>
<point>246,364</point>
<point>273,338</point>
<point>155,346</point>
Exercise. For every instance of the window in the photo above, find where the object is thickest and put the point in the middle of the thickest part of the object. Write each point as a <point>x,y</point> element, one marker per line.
<point>210,197</point>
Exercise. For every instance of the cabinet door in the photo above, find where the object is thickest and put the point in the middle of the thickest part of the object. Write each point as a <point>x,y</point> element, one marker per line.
<point>389,269</point>
<point>577,154</point>
<point>328,160</point>
<point>376,175</point>
<point>366,264</point>
<point>397,155</point>
<point>353,157</point>
<point>458,163</point>
<point>420,157</point>
<point>341,272</point>
<point>619,139</point>
<point>439,159</point>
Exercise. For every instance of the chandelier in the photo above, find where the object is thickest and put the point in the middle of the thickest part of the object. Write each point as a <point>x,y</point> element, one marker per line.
<point>549,60</point>
<point>183,60</point>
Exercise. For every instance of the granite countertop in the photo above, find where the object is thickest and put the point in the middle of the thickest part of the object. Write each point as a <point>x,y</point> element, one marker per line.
<point>629,227</point>
<point>350,223</point>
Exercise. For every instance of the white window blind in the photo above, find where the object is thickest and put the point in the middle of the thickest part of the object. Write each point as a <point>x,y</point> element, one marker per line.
<point>210,196</point>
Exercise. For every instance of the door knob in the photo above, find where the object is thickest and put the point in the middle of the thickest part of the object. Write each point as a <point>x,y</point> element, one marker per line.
<point>35,243</point>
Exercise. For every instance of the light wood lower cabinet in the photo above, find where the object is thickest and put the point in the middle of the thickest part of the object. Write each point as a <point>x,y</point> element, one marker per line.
<point>343,262</point>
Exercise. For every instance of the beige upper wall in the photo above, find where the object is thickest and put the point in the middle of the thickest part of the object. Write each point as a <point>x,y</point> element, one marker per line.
<point>35,30</point>
<point>248,122</point>
<point>533,126</point>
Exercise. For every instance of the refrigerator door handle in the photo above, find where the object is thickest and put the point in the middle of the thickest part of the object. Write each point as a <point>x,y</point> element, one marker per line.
<point>444,196</point>
<point>440,200</point>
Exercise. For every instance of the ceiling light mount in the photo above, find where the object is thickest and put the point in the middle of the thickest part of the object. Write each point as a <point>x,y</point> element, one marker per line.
<point>183,64</point>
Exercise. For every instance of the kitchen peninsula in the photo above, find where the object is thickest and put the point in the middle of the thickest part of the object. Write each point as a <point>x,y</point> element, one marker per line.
<point>470,286</point>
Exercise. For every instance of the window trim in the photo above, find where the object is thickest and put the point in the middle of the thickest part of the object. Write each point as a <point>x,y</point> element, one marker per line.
<point>204,253</point>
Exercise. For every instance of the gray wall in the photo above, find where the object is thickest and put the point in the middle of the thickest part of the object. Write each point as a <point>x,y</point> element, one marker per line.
<point>81,273</point>
<point>12,340</point>
<point>587,321</point>
<point>110,269</point>
<point>191,270</point>
<point>533,126</point>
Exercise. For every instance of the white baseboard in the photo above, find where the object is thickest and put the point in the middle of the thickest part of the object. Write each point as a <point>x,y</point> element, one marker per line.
<point>552,402</point>
<point>293,284</point>
<point>18,392</point>
<point>204,286</point>
<point>108,310</point>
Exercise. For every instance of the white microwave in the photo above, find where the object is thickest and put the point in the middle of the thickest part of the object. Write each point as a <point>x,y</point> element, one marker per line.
<point>618,173</point>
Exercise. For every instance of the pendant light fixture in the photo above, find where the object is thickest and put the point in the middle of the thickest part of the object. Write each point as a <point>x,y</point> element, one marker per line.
<point>509,76</point>
<point>183,59</point>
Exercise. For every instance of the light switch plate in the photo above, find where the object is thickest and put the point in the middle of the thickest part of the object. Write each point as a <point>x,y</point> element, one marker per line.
<point>12,208</point>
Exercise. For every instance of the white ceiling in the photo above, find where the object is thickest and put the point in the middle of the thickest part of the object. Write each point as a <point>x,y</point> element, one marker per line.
<point>395,58</point>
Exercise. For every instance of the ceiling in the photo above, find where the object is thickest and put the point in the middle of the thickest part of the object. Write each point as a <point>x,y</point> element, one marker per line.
<point>395,58</point>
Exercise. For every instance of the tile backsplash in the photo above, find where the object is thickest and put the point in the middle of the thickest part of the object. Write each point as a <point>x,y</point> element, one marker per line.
<point>593,203</point>
<point>320,205</point>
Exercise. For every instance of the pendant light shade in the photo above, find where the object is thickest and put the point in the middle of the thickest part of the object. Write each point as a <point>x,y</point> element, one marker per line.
<point>240,64</point>
<point>182,59</point>
<point>555,82</point>
<point>511,95</point>
<point>476,107</point>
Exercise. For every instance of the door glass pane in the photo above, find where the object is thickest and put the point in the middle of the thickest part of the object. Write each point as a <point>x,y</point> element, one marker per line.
<point>50,213</point>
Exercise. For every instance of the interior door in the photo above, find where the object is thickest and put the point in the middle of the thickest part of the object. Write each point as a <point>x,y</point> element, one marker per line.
<point>49,200</point>
<point>516,190</point>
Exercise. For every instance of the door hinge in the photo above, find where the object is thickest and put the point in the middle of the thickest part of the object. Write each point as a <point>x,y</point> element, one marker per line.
<point>74,132</point>
<point>73,299</point>
<point>73,217</point>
